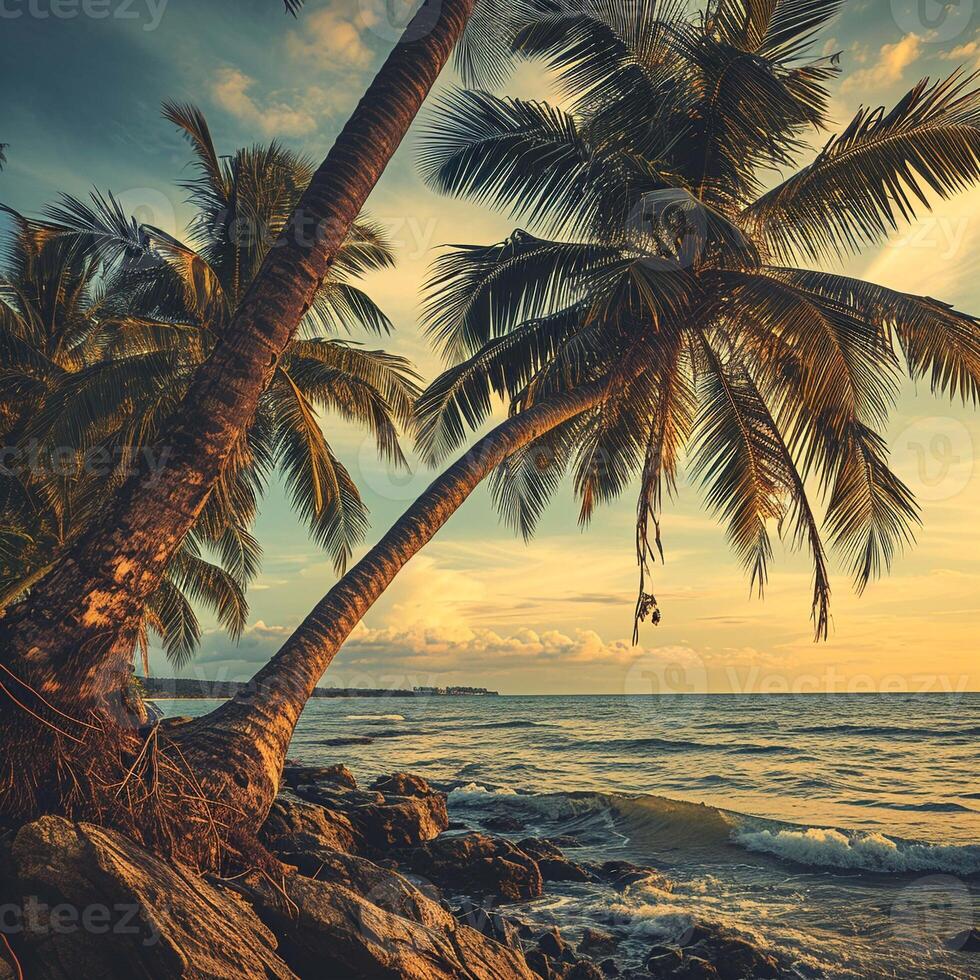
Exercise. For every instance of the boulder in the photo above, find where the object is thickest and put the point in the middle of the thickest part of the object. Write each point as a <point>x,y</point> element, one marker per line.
<point>735,959</point>
<point>383,887</point>
<point>405,823</point>
<point>476,864</point>
<point>504,929</point>
<point>552,863</point>
<point>596,941</point>
<point>96,905</point>
<point>728,957</point>
<point>326,930</point>
<point>402,784</point>
<point>584,970</point>
<point>296,826</point>
<point>967,941</point>
<point>381,820</point>
<point>294,775</point>
<point>622,874</point>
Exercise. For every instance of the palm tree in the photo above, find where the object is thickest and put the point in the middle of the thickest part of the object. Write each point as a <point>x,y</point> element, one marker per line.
<point>658,309</point>
<point>53,314</point>
<point>107,320</point>
<point>97,593</point>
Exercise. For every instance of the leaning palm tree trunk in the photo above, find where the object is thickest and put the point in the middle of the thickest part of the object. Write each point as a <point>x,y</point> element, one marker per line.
<point>75,632</point>
<point>239,749</point>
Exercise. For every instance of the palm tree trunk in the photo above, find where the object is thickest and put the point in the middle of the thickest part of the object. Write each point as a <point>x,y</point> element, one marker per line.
<point>238,751</point>
<point>74,633</point>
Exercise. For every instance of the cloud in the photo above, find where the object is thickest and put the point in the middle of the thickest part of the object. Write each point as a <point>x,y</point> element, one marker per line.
<point>230,90</point>
<point>438,649</point>
<point>330,39</point>
<point>970,51</point>
<point>258,643</point>
<point>893,61</point>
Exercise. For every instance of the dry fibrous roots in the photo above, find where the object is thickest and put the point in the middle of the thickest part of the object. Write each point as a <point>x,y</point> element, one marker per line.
<point>132,779</point>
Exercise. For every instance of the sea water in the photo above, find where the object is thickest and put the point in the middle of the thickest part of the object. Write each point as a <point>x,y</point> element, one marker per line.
<point>842,831</point>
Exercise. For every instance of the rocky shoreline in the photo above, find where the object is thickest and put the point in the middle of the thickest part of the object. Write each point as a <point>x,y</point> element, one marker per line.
<point>384,887</point>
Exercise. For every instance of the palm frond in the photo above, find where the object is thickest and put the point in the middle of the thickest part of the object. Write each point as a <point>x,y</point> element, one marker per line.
<point>871,513</point>
<point>212,586</point>
<point>529,159</point>
<point>171,615</point>
<point>603,50</point>
<point>478,293</point>
<point>938,341</point>
<point>321,488</point>
<point>776,29</point>
<point>462,396</point>
<point>876,173</point>
<point>738,460</point>
<point>525,482</point>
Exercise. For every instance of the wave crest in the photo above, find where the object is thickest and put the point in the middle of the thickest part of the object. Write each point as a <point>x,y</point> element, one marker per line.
<point>828,848</point>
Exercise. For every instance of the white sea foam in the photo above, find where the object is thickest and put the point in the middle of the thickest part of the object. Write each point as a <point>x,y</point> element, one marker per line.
<point>374,717</point>
<point>862,852</point>
<point>475,793</point>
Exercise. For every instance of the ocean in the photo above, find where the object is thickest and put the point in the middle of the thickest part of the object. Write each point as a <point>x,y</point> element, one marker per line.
<point>843,831</point>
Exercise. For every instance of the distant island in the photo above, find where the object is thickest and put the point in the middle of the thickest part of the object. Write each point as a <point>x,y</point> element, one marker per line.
<point>187,688</point>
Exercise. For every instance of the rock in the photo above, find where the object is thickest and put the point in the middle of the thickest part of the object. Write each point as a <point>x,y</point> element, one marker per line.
<point>967,941</point>
<point>551,944</point>
<point>596,941</point>
<point>552,863</point>
<point>622,874</point>
<point>295,826</point>
<point>563,870</point>
<point>410,821</point>
<point>729,957</point>
<point>539,849</point>
<point>382,887</point>
<point>479,865</point>
<point>402,784</point>
<point>337,797</point>
<point>504,824</point>
<point>294,775</point>
<point>102,907</point>
<point>662,961</point>
<point>610,968</point>
<point>381,821</point>
<point>326,930</point>
<point>541,965</point>
<point>584,970</point>
<point>502,928</point>
<point>696,968</point>
<point>735,959</point>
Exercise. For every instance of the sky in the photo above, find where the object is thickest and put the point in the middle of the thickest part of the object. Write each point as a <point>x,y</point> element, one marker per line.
<point>82,83</point>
